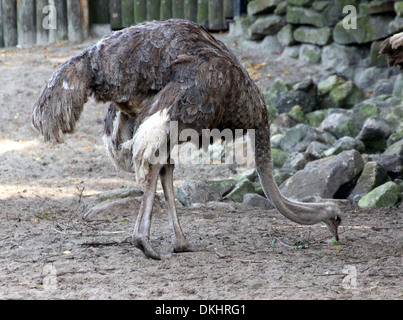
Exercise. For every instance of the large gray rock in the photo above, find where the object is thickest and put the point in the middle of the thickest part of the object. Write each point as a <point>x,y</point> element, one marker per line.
<point>339,125</point>
<point>385,195</point>
<point>375,128</point>
<point>310,53</point>
<point>257,7</point>
<point>369,28</point>
<point>323,178</point>
<point>299,15</point>
<point>372,176</point>
<point>344,144</point>
<point>299,137</point>
<point>318,36</point>
<point>255,200</point>
<point>264,26</point>
<point>196,191</point>
<point>339,57</point>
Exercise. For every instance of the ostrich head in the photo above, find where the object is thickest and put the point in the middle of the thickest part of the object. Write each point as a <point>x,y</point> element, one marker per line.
<point>334,220</point>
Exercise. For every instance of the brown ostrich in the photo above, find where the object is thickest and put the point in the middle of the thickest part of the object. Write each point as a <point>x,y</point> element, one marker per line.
<point>154,73</point>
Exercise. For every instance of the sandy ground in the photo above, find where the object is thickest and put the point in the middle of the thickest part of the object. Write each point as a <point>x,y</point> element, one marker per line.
<point>47,251</point>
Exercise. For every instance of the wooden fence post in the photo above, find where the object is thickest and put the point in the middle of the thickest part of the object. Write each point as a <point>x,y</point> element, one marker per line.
<point>127,13</point>
<point>99,11</point>
<point>216,15</point>
<point>1,28</point>
<point>61,31</point>
<point>42,33</point>
<point>178,10</point>
<point>78,19</point>
<point>202,13</point>
<point>9,13</point>
<point>115,14</point>
<point>166,9</point>
<point>26,22</point>
<point>153,10</point>
<point>191,10</point>
<point>140,11</point>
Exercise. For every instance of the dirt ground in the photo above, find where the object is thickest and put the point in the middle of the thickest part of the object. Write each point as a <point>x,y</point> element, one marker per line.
<point>47,251</point>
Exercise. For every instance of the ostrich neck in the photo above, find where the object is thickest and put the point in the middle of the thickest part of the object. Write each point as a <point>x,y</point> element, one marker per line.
<point>299,212</point>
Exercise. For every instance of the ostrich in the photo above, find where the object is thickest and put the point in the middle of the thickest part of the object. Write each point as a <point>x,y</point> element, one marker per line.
<point>392,48</point>
<point>154,73</point>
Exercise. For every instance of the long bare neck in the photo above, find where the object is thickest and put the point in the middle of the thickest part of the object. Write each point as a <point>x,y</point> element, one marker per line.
<point>299,212</point>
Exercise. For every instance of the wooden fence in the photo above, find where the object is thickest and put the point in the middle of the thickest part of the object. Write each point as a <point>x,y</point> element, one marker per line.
<point>29,22</point>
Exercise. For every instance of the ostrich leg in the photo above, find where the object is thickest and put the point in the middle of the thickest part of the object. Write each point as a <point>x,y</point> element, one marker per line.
<point>179,242</point>
<point>141,232</point>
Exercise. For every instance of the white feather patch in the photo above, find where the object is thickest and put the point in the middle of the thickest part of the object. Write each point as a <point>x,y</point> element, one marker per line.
<point>149,138</point>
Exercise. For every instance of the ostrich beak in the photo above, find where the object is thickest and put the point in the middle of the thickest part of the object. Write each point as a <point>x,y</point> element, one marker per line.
<point>333,226</point>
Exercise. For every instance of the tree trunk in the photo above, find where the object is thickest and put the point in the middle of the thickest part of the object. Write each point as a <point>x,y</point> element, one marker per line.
<point>216,15</point>
<point>9,8</point>
<point>115,14</point>
<point>127,13</point>
<point>166,9</point>
<point>99,11</point>
<point>78,19</point>
<point>61,31</point>
<point>140,11</point>
<point>178,9</point>
<point>202,13</point>
<point>153,10</point>
<point>42,30</point>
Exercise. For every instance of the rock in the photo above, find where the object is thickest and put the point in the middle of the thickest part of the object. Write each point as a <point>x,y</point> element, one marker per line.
<point>375,7</point>
<point>296,161</point>
<point>284,121</point>
<point>279,157</point>
<point>304,95</point>
<point>286,35</point>
<point>393,138</point>
<point>396,148</point>
<point>120,208</point>
<point>364,110</point>
<point>375,128</point>
<point>344,95</point>
<point>271,45</point>
<point>299,15</point>
<point>399,8</point>
<point>264,26</point>
<point>398,86</point>
<point>196,191</point>
<point>365,78</point>
<point>223,186</point>
<point>281,8</point>
<point>391,159</point>
<point>328,84</point>
<point>274,93</point>
<point>383,87</point>
<point>310,53</point>
<point>255,200</point>
<point>385,195</point>
<point>299,3</point>
<point>299,137</point>
<point>369,28</point>
<point>339,125</point>
<point>372,176</point>
<point>393,115</point>
<point>323,178</point>
<point>343,144</point>
<point>396,25</point>
<point>297,113</point>
<point>318,36</point>
<point>257,7</point>
<point>338,57</point>
<point>239,26</point>
<point>242,187</point>
<point>316,149</point>
<point>315,118</point>
<point>282,174</point>
<point>120,194</point>
<point>375,58</point>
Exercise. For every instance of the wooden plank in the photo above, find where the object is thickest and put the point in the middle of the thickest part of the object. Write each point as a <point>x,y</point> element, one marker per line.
<point>42,30</point>
<point>61,31</point>
<point>202,13</point>
<point>9,12</point>
<point>178,9</point>
<point>127,13</point>
<point>166,9</point>
<point>26,22</point>
<point>140,11</point>
<point>191,10</point>
<point>153,10</point>
<point>216,15</point>
<point>115,14</point>
<point>78,19</point>
<point>99,11</point>
<point>1,28</point>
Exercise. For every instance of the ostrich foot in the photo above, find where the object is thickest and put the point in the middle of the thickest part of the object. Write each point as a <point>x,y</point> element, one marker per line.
<point>140,242</point>
<point>185,246</point>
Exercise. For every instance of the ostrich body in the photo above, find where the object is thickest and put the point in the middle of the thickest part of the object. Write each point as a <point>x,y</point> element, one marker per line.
<point>154,73</point>
<point>392,48</point>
